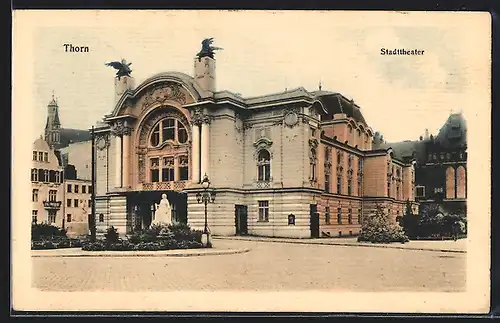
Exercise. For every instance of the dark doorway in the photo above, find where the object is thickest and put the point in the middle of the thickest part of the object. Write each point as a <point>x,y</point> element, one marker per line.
<point>314,215</point>
<point>241,215</point>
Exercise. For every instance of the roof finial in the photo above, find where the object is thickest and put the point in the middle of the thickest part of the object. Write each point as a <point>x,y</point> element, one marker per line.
<point>319,85</point>
<point>52,94</point>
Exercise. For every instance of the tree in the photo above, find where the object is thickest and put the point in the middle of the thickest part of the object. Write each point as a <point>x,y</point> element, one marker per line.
<point>379,228</point>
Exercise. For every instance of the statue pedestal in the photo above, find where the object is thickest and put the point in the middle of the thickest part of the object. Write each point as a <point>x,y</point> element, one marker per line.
<point>206,240</point>
<point>123,84</point>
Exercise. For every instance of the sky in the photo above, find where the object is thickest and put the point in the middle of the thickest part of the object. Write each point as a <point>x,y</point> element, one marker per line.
<point>266,52</point>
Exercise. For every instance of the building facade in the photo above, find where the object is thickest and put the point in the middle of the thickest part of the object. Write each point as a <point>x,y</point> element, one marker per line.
<point>47,178</point>
<point>291,164</point>
<point>58,197</point>
<point>441,165</point>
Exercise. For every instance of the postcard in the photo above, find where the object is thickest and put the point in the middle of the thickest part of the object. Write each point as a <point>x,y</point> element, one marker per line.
<point>251,161</point>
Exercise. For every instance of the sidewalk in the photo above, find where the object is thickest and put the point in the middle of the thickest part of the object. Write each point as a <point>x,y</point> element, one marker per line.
<point>78,252</point>
<point>459,246</point>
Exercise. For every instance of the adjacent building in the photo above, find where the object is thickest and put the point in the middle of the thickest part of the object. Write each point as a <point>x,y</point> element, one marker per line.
<point>47,177</point>
<point>59,196</point>
<point>441,165</point>
<point>292,164</point>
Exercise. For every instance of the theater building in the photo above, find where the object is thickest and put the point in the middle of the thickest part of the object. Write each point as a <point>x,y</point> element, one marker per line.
<point>290,164</point>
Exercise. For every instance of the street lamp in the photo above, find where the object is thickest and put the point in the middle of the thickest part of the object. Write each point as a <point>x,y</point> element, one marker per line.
<point>205,197</point>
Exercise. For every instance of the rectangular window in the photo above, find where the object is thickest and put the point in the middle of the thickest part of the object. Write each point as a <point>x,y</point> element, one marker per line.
<point>46,176</point>
<point>34,198</point>
<point>52,216</point>
<point>52,195</point>
<point>34,175</point>
<point>68,202</point>
<point>339,215</point>
<point>89,203</point>
<point>168,170</point>
<point>349,187</point>
<point>84,189</point>
<point>69,188</point>
<point>349,218</point>
<point>90,189</point>
<point>360,217</point>
<point>58,177</point>
<point>35,154</point>
<point>420,190</point>
<point>68,217</point>
<point>168,131</point>
<point>75,201</point>
<point>327,215</point>
<point>263,210</point>
<point>34,218</point>
<point>46,157</point>
<point>339,185</point>
<point>155,170</point>
<point>327,183</point>
<point>76,188</point>
<point>183,168</point>
<point>40,156</point>
<point>101,217</point>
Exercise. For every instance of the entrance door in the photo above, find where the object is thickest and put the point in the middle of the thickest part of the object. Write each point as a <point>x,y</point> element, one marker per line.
<point>314,221</point>
<point>241,219</point>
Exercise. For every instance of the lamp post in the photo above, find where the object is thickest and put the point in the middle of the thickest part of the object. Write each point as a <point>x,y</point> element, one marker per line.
<point>205,197</point>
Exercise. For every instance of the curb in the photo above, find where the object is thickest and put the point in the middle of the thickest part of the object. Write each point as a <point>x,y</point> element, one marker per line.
<point>144,254</point>
<point>369,245</point>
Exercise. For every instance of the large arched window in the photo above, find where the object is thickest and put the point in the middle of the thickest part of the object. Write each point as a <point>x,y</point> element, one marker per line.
<point>461,182</point>
<point>450,183</point>
<point>169,129</point>
<point>264,165</point>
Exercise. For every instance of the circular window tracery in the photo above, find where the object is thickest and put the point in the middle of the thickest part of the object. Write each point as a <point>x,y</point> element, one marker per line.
<point>168,129</point>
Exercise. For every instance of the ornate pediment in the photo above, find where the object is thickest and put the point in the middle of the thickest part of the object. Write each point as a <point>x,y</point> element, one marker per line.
<point>263,142</point>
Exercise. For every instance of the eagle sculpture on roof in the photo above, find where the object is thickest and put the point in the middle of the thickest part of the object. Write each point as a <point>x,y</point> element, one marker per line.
<point>123,69</point>
<point>207,50</point>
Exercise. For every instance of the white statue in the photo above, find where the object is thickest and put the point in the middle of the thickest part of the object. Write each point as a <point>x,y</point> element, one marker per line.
<point>163,213</point>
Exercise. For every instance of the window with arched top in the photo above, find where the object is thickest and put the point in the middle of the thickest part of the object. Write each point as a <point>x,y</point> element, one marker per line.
<point>264,165</point>
<point>168,129</point>
<point>450,183</point>
<point>461,182</point>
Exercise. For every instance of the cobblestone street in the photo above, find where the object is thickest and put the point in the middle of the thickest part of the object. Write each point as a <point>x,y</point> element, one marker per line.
<point>267,266</point>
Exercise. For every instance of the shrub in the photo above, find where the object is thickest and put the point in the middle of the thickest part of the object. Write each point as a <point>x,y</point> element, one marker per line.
<point>111,235</point>
<point>46,231</point>
<point>94,246</point>
<point>378,228</point>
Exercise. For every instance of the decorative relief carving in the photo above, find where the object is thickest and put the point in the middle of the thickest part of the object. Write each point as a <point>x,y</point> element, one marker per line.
<point>291,119</point>
<point>313,142</point>
<point>163,92</point>
<point>313,113</point>
<point>102,141</point>
<point>120,128</point>
<point>238,125</point>
<point>198,117</point>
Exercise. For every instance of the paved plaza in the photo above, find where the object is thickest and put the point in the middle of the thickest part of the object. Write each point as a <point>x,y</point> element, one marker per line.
<point>267,266</point>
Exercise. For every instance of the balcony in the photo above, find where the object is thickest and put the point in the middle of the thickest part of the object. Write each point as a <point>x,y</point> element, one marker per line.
<point>161,186</point>
<point>52,205</point>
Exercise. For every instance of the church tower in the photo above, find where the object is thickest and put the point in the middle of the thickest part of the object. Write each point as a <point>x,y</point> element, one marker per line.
<point>53,125</point>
